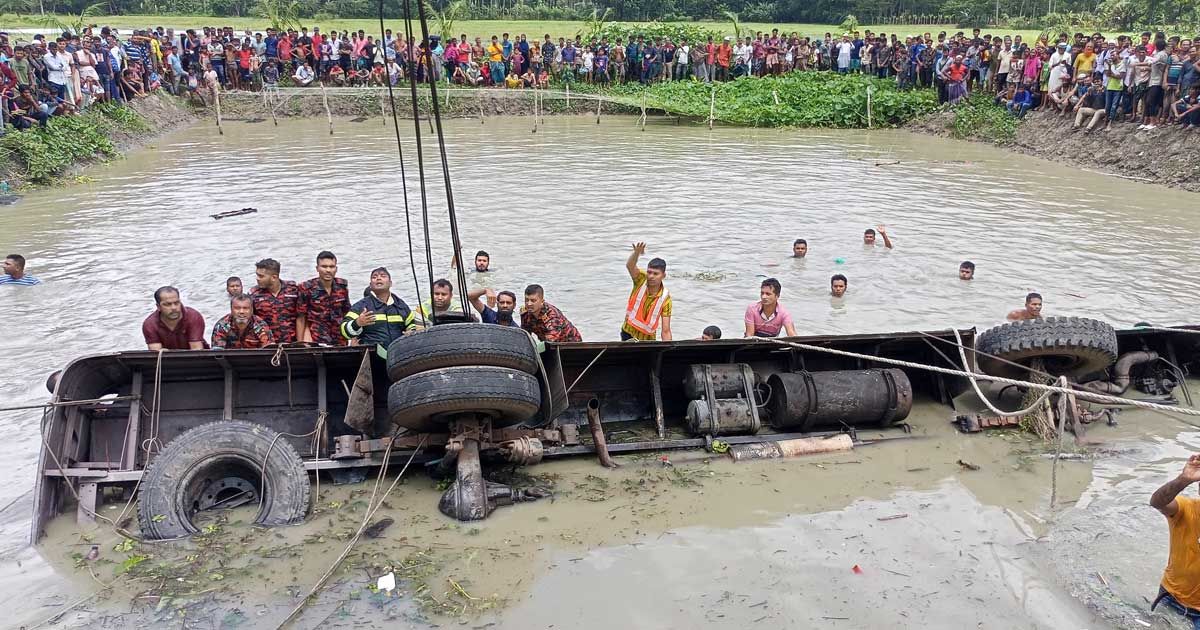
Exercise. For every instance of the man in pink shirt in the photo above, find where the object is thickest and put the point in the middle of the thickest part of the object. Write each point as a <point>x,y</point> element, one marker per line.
<point>767,317</point>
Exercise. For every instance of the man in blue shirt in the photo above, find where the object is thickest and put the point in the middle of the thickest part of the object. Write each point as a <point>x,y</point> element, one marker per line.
<point>14,272</point>
<point>502,315</point>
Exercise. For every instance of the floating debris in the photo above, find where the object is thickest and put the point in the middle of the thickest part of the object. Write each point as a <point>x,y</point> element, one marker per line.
<point>234,213</point>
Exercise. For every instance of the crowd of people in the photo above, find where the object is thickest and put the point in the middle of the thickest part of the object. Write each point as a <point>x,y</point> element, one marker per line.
<point>1152,79</point>
<point>319,310</point>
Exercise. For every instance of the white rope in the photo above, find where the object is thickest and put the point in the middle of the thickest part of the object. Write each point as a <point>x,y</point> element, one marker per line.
<point>1084,395</point>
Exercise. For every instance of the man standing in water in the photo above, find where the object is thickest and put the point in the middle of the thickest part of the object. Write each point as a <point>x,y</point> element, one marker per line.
<point>173,326</point>
<point>1032,310</point>
<point>14,272</point>
<point>767,317</point>
<point>799,248</point>
<point>324,300</point>
<point>1180,586</point>
<point>837,285</point>
<point>506,306</point>
<point>966,270</point>
<point>233,286</point>
<point>649,302</point>
<point>869,237</point>
<point>277,302</point>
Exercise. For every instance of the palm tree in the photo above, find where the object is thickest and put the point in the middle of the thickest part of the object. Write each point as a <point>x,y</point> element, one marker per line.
<point>280,14</point>
<point>72,23</point>
<point>735,22</point>
<point>444,20</point>
<point>594,24</point>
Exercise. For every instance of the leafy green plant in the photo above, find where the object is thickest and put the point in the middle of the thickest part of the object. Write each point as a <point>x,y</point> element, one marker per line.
<point>979,117</point>
<point>47,152</point>
<point>443,21</point>
<point>594,24</point>
<point>735,23</point>
<point>74,23</point>
<point>650,30</point>
<point>849,24</point>
<point>798,99</point>
<point>280,14</point>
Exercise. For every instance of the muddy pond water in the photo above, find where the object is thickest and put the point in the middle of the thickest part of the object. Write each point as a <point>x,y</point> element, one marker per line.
<point>699,543</point>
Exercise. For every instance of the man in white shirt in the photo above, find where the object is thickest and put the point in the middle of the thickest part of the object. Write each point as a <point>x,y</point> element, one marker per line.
<point>304,75</point>
<point>741,56</point>
<point>56,70</point>
<point>1061,53</point>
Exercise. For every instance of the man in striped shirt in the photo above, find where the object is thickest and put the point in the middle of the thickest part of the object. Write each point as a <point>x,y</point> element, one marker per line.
<point>14,272</point>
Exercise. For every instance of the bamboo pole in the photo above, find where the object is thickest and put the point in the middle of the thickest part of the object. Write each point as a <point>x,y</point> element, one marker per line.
<point>775,95</point>
<point>328,112</point>
<point>712,108</point>
<point>598,101</point>
<point>217,101</point>
<point>273,118</point>
<point>480,101</point>
<point>382,110</point>
<point>643,120</point>
<point>568,95</point>
<point>869,121</point>
<point>535,110</point>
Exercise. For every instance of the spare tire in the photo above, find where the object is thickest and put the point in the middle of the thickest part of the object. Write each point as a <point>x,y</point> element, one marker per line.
<point>219,463</point>
<point>422,402</point>
<point>453,345</point>
<point>1067,346</point>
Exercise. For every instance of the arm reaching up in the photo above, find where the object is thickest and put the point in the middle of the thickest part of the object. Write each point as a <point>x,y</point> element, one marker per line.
<point>632,263</point>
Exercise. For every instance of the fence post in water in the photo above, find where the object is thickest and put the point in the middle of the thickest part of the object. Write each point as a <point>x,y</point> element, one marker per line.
<point>568,95</point>
<point>643,120</point>
<point>598,101</point>
<point>868,107</point>
<point>328,112</point>
<point>217,101</point>
<point>480,101</point>
<point>535,109</point>
<point>382,110</point>
<point>712,107</point>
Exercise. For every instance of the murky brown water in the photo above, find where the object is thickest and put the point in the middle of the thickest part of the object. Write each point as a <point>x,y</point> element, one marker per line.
<point>559,208</point>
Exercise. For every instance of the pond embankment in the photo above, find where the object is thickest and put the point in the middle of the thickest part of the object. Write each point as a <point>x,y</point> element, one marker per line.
<point>42,156</point>
<point>1165,156</point>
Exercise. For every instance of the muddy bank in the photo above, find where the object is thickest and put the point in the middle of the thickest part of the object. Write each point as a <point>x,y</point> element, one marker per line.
<point>366,103</point>
<point>1166,155</point>
<point>34,157</point>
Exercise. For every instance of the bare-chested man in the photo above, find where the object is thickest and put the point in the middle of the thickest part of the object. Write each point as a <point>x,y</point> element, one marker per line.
<point>1032,310</point>
<point>869,237</point>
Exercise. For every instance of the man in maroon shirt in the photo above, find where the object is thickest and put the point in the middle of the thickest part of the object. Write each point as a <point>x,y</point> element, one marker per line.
<point>324,301</point>
<point>277,302</point>
<point>173,326</point>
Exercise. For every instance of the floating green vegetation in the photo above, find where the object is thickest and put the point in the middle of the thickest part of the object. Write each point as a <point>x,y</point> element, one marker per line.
<point>798,99</point>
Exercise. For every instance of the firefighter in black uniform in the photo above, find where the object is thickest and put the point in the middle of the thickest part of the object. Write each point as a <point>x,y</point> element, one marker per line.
<point>380,317</point>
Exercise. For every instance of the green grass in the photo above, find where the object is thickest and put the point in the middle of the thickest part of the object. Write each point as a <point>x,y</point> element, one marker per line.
<point>483,28</point>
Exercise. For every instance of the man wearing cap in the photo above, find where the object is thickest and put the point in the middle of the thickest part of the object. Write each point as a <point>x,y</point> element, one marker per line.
<point>380,317</point>
<point>1061,53</point>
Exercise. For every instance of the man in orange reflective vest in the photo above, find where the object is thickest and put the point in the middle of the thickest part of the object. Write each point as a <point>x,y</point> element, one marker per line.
<point>649,302</point>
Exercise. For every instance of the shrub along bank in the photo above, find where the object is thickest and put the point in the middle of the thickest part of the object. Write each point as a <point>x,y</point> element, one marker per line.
<point>40,154</point>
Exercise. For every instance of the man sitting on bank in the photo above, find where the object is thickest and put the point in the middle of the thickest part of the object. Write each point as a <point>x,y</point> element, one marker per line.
<point>241,329</point>
<point>649,302</point>
<point>173,326</point>
<point>545,320</point>
<point>380,317</point>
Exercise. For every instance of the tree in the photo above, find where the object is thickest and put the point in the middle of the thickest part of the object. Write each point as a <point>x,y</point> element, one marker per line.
<point>72,23</point>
